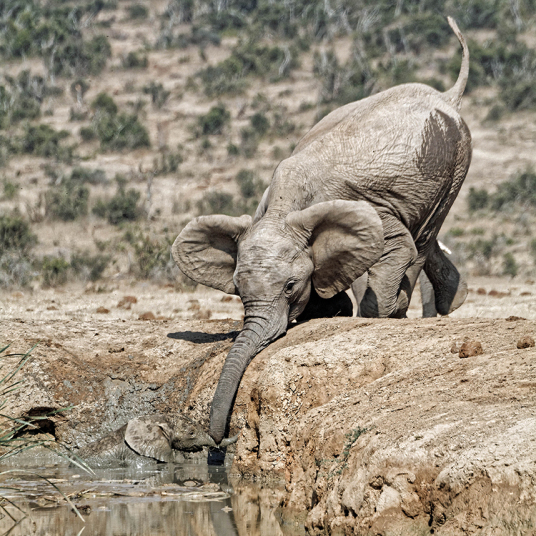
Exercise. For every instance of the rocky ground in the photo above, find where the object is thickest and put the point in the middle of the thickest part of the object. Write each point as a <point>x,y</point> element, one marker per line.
<point>376,426</point>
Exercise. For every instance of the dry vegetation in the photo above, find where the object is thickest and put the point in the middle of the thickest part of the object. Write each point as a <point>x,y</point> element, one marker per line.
<point>121,120</point>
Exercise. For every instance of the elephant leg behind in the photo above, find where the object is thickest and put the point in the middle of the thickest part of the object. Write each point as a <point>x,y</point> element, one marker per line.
<point>427,297</point>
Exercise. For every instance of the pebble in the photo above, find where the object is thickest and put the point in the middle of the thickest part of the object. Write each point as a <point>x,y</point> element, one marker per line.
<point>470,349</point>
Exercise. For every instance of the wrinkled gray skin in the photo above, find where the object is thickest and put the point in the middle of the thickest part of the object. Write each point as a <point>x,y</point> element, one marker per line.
<point>359,287</point>
<point>366,190</point>
<point>154,437</point>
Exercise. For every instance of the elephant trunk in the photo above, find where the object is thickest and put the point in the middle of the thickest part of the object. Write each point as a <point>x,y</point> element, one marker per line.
<point>259,330</point>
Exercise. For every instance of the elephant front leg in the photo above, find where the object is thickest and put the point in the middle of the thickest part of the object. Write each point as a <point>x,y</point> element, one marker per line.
<point>389,288</point>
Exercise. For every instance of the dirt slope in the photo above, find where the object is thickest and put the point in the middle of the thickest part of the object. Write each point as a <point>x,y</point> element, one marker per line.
<point>376,426</point>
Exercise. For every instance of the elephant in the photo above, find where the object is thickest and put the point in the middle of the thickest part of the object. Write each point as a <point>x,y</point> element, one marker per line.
<point>155,437</point>
<point>359,287</point>
<point>366,190</point>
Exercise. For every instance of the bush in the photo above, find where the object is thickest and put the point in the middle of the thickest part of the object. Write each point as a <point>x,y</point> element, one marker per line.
<point>15,234</point>
<point>67,201</point>
<point>90,267</point>
<point>510,266</point>
<point>250,185</point>
<point>159,95</point>
<point>477,199</point>
<point>55,270</point>
<point>214,121</point>
<point>88,133</point>
<point>122,207</point>
<point>249,142</point>
<point>43,140</point>
<point>138,11</point>
<point>91,176</point>
<point>247,59</point>
<point>10,189</point>
<point>134,60</point>
<point>260,123</point>
<point>103,103</point>
<point>152,258</point>
<point>520,190</point>
<point>215,202</point>
<point>115,130</point>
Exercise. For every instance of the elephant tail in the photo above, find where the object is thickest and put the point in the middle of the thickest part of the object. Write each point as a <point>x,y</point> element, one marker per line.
<point>454,94</point>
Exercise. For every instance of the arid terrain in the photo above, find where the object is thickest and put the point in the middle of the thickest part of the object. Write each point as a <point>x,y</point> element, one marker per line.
<point>374,426</point>
<point>120,121</point>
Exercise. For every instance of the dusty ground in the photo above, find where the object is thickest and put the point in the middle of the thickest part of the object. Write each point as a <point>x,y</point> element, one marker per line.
<point>376,426</point>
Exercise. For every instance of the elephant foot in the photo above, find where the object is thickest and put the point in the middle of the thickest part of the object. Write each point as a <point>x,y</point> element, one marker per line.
<point>317,307</point>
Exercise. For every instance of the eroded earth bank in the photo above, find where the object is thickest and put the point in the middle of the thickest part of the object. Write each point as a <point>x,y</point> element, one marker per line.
<point>376,426</point>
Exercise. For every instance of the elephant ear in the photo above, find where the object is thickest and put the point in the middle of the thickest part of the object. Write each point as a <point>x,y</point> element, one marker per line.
<point>206,249</point>
<point>346,239</point>
<point>151,437</point>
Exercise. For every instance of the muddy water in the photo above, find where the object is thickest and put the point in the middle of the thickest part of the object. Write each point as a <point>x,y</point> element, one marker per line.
<point>167,500</point>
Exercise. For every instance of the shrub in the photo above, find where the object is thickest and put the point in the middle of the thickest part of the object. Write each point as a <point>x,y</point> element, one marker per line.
<point>260,123</point>
<point>249,142</point>
<point>43,140</point>
<point>10,189</point>
<point>138,11</point>
<point>250,185</point>
<point>152,258</point>
<point>167,162</point>
<point>67,201</point>
<point>88,133</point>
<point>520,189</point>
<point>105,104</point>
<point>510,266</point>
<point>76,57</point>
<point>159,95</point>
<point>477,199</point>
<point>115,130</point>
<point>55,270</point>
<point>215,120</point>
<point>15,234</point>
<point>134,60</point>
<point>122,207</point>
<point>215,202</point>
<point>456,232</point>
<point>90,267</point>
<point>91,176</point>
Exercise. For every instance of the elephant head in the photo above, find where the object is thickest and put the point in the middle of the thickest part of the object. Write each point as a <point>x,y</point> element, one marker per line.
<point>151,436</point>
<point>271,265</point>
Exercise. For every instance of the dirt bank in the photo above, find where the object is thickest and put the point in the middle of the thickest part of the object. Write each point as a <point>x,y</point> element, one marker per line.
<point>376,425</point>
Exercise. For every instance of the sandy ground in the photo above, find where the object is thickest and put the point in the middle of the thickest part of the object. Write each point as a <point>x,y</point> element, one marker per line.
<point>489,297</point>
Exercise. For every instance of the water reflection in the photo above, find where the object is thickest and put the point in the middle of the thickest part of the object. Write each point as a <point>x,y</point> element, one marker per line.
<point>244,509</point>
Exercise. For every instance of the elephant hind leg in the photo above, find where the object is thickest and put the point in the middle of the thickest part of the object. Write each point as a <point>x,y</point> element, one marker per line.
<point>427,297</point>
<point>388,291</point>
<point>450,289</point>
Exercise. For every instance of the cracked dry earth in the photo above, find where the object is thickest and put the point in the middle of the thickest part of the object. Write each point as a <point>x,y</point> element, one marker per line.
<point>375,426</point>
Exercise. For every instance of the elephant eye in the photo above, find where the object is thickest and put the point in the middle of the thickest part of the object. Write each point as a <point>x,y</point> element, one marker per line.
<point>289,286</point>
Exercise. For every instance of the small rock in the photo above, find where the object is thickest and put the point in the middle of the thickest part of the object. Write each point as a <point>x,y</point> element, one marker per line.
<point>525,342</point>
<point>194,305</point>
<point>470,349</point>
<point>17,295</point>
<point>514,318</point>
<point>481,291</point>
<point>455,348</point>
<point>203,314</point>
<point>147,316</point>
<point>103,310</point>
<point>127,301</point>
<point>52,308</point>
<point>497,294</point>
<point>526,294</point>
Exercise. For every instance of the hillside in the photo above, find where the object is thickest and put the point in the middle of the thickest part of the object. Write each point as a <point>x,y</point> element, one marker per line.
<point>120,121</point>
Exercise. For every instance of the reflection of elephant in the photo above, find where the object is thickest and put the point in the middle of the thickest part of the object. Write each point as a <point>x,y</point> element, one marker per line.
<point>367,189</point>
<point>151,436</point>
<point>428,299</point>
